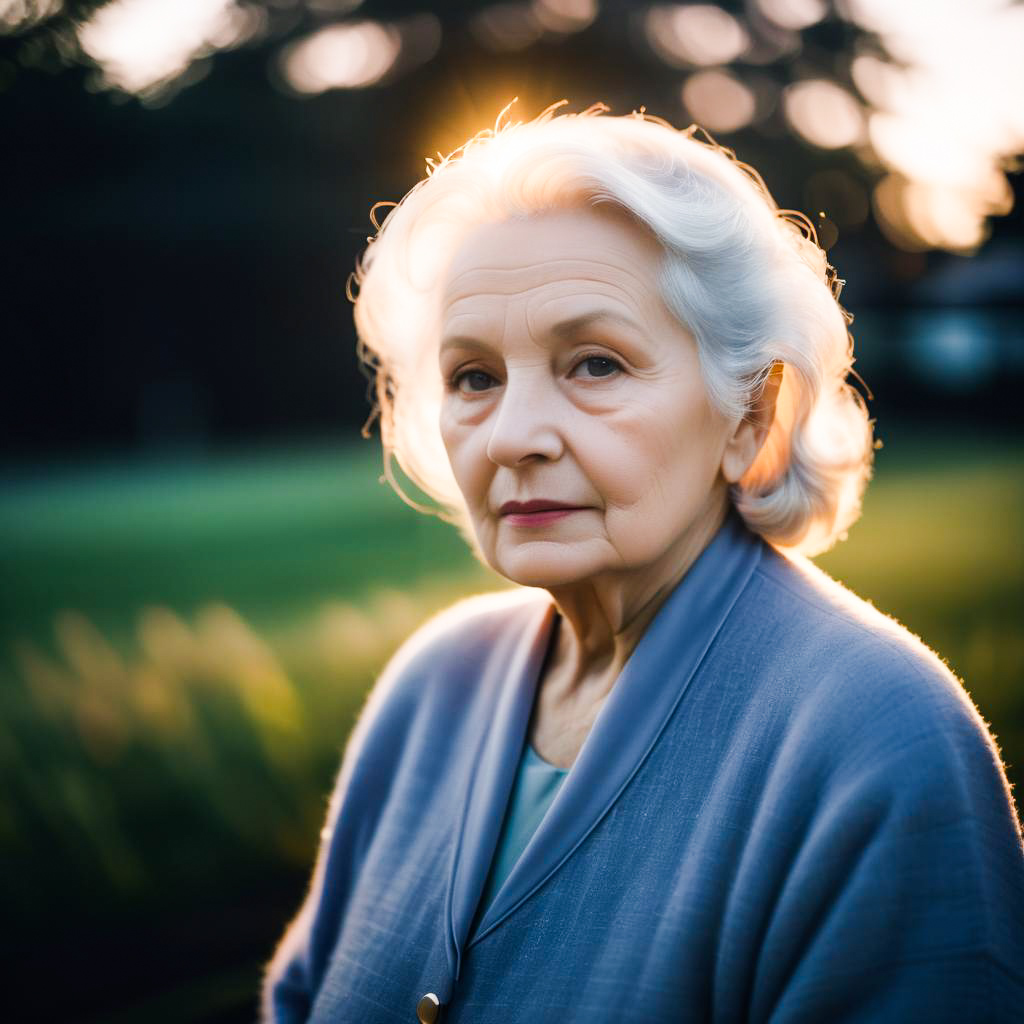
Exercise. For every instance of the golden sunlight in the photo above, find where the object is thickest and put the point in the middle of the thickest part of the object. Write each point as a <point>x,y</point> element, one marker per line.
<point>947,117</point>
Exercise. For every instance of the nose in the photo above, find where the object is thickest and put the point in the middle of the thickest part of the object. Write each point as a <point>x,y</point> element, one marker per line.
<point>524,426</point>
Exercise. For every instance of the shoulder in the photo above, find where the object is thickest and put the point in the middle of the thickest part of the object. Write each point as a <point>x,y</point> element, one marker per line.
<point>869,702</point>
<point>429,684</point>
<point>882,807</point>
<point>439,663</point>
<point>468,630</point>
<point>820,624</point>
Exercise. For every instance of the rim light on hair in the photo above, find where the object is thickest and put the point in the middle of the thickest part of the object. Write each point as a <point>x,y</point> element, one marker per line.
<point>746,278</point>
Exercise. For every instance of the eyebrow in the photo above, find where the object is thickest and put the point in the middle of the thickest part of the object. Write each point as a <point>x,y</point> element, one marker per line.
<point>577,324</point>
<point>563,329</point>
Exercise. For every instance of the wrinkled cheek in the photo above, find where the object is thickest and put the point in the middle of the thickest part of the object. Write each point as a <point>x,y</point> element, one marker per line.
<point>660,457</point>
<point>651,508</point>
<point>473,473</point>
<point>632,447</point>
<point>638,531</point>
<point>621,468</point>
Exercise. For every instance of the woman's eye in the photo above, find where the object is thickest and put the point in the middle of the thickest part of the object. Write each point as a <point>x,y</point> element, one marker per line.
<point>598,366</point>
<point>473,381</point>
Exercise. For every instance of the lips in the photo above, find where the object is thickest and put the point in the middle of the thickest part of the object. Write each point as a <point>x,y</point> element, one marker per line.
<point>537,514</point>
<point>538,505</point>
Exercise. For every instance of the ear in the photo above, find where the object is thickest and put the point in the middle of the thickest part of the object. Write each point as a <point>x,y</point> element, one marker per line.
<point>751,432</point>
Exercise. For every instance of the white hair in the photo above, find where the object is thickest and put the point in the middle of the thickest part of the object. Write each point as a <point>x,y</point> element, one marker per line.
<point>747,279</point>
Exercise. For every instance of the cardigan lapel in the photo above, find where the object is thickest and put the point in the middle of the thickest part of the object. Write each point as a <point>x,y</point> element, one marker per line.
<point>646,693</point>
<point>493,769</point>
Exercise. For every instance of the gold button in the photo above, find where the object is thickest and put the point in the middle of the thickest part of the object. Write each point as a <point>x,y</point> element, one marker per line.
<point>428,1009</point>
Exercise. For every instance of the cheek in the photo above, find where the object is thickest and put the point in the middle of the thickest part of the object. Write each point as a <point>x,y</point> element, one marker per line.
<point>657,457</point>
<point>466,446</point>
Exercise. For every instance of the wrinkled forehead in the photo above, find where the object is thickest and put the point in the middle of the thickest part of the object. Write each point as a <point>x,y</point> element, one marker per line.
<point>603,249</point>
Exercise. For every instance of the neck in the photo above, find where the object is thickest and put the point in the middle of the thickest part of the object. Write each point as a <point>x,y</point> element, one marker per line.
<point>604,617</point>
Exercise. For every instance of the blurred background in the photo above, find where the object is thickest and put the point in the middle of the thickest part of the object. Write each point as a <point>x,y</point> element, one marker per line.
<point>201,571</point>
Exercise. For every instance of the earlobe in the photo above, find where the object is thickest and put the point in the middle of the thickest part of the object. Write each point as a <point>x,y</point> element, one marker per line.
<point>752,431</point>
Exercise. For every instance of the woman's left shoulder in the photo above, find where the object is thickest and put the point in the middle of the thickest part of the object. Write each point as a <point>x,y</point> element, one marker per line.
<point>817,619</point>
<point>867,695</point>
<point>880,791</point>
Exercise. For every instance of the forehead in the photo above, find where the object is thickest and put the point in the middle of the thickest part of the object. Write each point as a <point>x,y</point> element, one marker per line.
<point>556,254</point>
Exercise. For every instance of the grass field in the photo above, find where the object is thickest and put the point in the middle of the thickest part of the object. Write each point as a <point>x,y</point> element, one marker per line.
<point>184,645</point>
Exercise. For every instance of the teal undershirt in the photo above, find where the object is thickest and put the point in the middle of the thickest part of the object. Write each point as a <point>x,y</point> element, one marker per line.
<point>535,787</point>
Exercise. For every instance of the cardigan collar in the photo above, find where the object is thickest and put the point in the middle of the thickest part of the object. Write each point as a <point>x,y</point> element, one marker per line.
<point>628,725</point>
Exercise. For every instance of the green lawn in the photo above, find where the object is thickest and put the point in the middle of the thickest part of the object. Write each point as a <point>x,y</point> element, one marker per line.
<point>183,647</point>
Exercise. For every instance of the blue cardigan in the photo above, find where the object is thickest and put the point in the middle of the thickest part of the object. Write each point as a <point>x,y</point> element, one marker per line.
<point>787,810</point>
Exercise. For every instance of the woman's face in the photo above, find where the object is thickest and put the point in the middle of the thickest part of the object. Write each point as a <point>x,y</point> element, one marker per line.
<point>574,415</point>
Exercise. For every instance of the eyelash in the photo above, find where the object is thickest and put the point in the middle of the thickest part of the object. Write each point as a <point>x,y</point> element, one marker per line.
<point>456,379</point>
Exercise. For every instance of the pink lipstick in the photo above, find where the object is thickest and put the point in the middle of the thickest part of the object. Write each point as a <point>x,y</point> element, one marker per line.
<point>539,512</point>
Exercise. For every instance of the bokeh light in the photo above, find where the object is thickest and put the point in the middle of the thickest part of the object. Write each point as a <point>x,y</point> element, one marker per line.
<point>346,56</point>
<point>918,215</point>
<point>565,16</point>
<point>823,113</point>
<point>143,45</point>
<point>948,114</point>
<point>793,14</point>
<point>16,15</point>
<point>506,27</point>
<point>718,100</point>
<point>695,34</point>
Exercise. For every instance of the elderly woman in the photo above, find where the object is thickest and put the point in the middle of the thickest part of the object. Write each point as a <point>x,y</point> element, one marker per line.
<point>678,774</point>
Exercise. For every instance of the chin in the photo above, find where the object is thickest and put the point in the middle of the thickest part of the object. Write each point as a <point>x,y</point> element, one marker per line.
<point>545,564</point>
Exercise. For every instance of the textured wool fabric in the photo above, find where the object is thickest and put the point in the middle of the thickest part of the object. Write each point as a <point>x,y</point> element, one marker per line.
<point>787,810</point>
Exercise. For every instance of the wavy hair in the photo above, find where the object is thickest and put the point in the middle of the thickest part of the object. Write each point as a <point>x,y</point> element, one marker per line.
<point>747,279</point>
